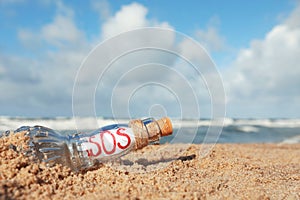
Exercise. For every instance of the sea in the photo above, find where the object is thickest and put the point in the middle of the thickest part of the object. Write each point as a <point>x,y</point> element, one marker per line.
<point>283,131</point>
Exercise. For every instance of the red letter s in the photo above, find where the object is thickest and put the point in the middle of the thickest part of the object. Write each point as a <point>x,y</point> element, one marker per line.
<point>125,135</point>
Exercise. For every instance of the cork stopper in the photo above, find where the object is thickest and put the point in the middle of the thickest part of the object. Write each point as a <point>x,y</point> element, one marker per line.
<point>165,125</point>
<point>146,133</point>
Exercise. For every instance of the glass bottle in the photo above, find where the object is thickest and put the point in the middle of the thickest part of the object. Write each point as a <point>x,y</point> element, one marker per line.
<point>84,151</point>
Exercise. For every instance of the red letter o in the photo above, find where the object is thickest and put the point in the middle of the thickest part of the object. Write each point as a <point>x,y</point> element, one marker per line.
<point>103,145</point>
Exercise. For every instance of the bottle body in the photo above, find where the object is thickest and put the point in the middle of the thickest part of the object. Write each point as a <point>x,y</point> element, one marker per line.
<point>101,145</point>
<point>83,151</point>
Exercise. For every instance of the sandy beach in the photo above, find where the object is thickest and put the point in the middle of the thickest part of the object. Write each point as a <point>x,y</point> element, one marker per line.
<point>230,171</point>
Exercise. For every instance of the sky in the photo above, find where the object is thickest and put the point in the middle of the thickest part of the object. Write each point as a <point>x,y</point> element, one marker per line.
<point>254,47</point>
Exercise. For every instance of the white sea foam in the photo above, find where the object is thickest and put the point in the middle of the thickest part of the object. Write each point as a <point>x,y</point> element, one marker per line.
<point>7,123</point>
<point>247,129</point>
<point>270,123</point>
<point>291,140</point>
<point>63,123</point>
<point>248,124</point>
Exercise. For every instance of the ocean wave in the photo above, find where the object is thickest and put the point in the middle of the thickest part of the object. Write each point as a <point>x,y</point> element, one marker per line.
<point>291,140</point>
<point>68,123</point>
<point>250,124</point>
<point>60,123</point>
<point>247,129</point>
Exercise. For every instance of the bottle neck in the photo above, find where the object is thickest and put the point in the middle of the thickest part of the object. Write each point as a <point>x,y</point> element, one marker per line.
<point>146,132</point>
<point>153,130</point>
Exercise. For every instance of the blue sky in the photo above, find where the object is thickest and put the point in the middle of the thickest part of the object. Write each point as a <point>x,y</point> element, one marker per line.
<point>254,45</point>
<point>238,21</point>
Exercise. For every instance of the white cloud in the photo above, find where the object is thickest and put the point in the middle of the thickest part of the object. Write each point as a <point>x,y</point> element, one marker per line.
<point>210,37</point>
<point>102,7</point>
<point>27,38</point>
<point>2,70</point>
<point>129,17</point>
<point>293,20</point>
<point>55,52</point>
<point>49,80</point>
<point>265,76</point>
<point>262,78</point>
<point>39,82</point>
<point>61,30</point>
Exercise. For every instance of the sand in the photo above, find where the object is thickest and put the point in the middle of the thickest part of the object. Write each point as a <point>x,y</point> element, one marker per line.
<point>230,171</point>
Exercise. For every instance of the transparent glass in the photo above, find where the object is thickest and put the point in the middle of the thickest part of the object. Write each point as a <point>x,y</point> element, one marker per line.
<point>84,151</point>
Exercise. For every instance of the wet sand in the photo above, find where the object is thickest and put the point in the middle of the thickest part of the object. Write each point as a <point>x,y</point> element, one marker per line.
<point>230,171</point>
